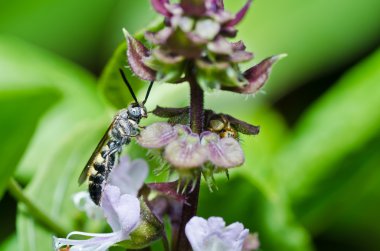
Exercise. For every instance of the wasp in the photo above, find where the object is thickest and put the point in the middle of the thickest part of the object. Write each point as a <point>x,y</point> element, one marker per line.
<point>124,126</point>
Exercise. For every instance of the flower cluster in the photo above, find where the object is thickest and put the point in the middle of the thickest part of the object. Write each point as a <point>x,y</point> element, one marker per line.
<point>184,149</point>
<point>197,36</point>
<point>133,223</point>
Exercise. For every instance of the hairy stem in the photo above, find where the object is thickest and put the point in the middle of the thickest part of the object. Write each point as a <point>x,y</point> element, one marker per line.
<point>192,193</point>
<point>34,210</point>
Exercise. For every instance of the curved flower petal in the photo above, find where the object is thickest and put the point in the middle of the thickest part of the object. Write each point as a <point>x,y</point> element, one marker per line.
<point>157,135</point>
<point>256,76</point>
<point>136,52</point>
<point>99,242</point>
<point>240,15</point>
<point>121,211</point>
<point>129,175</point>
<point>212,234</point>
<point>225,152</point>
<point>186,152</point>
<point>160,7</point>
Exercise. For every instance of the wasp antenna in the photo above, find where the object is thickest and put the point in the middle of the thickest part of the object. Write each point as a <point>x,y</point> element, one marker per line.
<point>128,85</point>
<point>148,92</point>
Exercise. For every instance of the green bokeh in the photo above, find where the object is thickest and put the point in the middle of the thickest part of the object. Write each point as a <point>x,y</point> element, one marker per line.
<point>311,180</point>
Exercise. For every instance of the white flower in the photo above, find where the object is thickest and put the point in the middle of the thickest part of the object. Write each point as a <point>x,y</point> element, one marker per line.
<point>213,235</point>
<point>128,176</point>
<point>123,215</point>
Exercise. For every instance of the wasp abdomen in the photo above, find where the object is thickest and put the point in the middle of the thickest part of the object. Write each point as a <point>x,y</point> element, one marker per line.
<point>101,167</point>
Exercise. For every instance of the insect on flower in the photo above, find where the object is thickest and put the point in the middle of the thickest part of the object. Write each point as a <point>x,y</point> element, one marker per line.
<point>222,126</point>
<point>124,126</point>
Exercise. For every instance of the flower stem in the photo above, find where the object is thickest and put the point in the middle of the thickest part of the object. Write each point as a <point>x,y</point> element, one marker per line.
<point>189,209</point>
<point>35,211</point>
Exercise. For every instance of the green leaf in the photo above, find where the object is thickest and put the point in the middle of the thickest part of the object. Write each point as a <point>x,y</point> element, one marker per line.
<point>343,195</point>
<point>64,139</point>
<point>54,186</point>
<point>79,100</point>
<point>340,122</point>
<point>20,111</point>
<point>238,200</point>
<point>9,244</point>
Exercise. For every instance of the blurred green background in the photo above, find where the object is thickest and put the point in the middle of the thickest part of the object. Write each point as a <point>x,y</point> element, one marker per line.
<point>312,177</point>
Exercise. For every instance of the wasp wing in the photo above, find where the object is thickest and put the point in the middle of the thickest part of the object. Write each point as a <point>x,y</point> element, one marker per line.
<point>83,176</point>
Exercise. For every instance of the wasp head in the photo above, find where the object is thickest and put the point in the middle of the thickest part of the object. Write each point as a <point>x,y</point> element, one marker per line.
<point>137,111</point>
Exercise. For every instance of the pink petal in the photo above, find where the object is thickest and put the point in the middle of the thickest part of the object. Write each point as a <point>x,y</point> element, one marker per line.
<point>241,56</point>
<point>225,152</point>
<point>186,152</point>
<point>160,37</point>
<point>160,7</point>
<point>157,135</point>
<point>136,52</point>
<point>239,16</point>
<point>256,76</point>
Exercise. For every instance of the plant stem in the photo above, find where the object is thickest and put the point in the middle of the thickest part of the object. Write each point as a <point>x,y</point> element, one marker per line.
<point>35,211</point>
<point>192,193</point>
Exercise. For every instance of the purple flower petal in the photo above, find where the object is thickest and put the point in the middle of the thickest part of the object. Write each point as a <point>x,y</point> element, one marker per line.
<point>160,7</point>
<point>121,211</point>
<point>182,130</point>
<point>160,37</point>
<point>212,234</point>
<point>136,52</point>
<point>225,152</point>
<point>220,46</point>
<point>193,7</point>
<point>186,152</point>
<point>157,135</point>
<point>241,56</point>
<point>239,16</point>
<point>235,232</point>
<point>238,46</point>
<point>256,76</point>
<point>214,5</point>
<point>129,175</point>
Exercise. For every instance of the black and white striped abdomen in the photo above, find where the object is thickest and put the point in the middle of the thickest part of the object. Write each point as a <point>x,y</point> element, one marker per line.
<point>99,171</point>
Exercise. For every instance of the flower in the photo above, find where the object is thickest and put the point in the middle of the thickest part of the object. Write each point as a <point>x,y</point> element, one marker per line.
<point>127,175</point>
<point>122,212</point>
<point>214,235</point>
<point>197,33</point>
<point>184,149</point>
<point>132,222</point>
